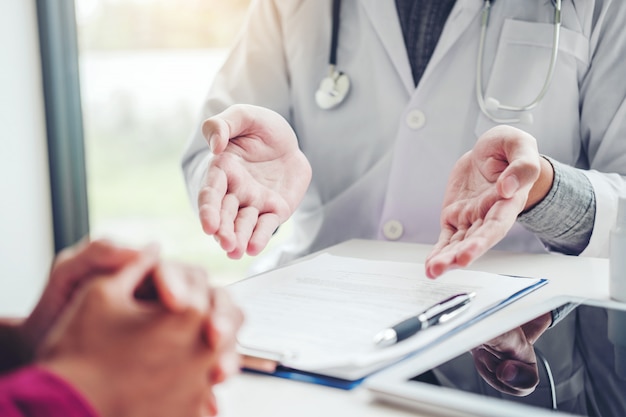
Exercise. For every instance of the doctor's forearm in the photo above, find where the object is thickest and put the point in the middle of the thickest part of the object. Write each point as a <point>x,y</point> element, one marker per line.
<point>564,218</point>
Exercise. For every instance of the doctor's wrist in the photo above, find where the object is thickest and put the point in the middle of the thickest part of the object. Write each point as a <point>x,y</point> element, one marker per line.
<point>542,185</point>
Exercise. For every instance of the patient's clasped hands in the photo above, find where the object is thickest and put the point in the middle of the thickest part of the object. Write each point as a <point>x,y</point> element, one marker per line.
<point>134,334</point>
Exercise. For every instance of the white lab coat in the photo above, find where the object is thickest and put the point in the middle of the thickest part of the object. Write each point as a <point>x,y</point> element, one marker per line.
<point>382,158</point>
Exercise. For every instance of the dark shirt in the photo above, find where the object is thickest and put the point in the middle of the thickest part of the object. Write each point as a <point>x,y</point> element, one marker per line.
<point>422,22</point>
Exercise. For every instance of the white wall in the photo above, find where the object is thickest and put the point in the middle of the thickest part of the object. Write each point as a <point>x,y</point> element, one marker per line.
<point>26,241</point>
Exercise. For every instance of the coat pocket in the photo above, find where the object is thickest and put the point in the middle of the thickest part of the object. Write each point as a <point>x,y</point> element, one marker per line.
<point>520,68</point>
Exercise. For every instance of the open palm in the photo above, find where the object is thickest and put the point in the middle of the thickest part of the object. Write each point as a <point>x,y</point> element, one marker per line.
<point>487,189</point>
<point>255,180</point>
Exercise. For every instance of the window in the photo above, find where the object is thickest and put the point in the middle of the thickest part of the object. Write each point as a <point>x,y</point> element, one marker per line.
<point>145,66</point>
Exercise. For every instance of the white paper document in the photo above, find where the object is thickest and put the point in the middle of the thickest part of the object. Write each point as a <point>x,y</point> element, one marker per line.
<point>321,315</point>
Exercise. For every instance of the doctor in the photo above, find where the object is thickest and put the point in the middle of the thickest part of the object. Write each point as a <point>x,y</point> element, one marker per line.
<point>415,84</point>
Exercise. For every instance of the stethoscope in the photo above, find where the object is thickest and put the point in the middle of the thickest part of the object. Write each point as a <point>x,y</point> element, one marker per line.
<point>334,88</point>
<point>490,105</point>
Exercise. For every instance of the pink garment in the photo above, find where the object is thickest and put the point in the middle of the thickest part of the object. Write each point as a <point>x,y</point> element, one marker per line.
<point>34,392</point>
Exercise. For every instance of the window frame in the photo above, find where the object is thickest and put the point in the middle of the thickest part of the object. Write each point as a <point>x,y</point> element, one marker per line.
<point>64,120</point>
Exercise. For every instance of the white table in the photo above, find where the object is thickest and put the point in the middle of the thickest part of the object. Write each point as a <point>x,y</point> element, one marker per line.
<point>258,395</point>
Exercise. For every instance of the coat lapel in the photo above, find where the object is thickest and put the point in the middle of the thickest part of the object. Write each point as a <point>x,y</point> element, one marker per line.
<point>384,19</point>
<point>463,14</point>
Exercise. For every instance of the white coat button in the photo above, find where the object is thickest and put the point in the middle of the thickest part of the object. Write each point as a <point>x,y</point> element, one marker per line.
<point>393,230</point>
<point>415,119</point>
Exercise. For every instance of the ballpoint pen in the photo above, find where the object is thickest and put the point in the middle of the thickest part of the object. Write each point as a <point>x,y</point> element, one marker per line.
<point>438,313</point>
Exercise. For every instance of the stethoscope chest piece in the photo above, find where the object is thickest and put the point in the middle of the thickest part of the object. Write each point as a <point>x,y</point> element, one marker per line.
<point>332,90</point>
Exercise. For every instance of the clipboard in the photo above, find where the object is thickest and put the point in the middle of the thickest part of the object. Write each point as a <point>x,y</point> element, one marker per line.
<point>327,285</point>
<point>309,377</point>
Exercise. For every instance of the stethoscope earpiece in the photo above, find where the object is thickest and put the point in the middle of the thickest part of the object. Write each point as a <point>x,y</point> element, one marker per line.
<point>333,90</point>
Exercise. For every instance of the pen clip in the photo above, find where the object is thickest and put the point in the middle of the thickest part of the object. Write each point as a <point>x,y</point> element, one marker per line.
<point>446,309</point>
<point>448,316</point>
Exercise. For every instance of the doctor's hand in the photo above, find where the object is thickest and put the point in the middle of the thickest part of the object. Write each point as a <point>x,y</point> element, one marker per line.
<point>139,341</point>
<point>254,182</point>
<point>508,362</point>
<point>488,188</point>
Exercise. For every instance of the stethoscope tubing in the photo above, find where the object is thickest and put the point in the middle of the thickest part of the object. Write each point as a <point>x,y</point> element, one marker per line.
<point>334,41</point>
<point>480,94</point>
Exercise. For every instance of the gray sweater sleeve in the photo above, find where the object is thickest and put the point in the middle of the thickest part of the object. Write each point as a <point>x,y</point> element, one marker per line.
<point>564,219</point>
